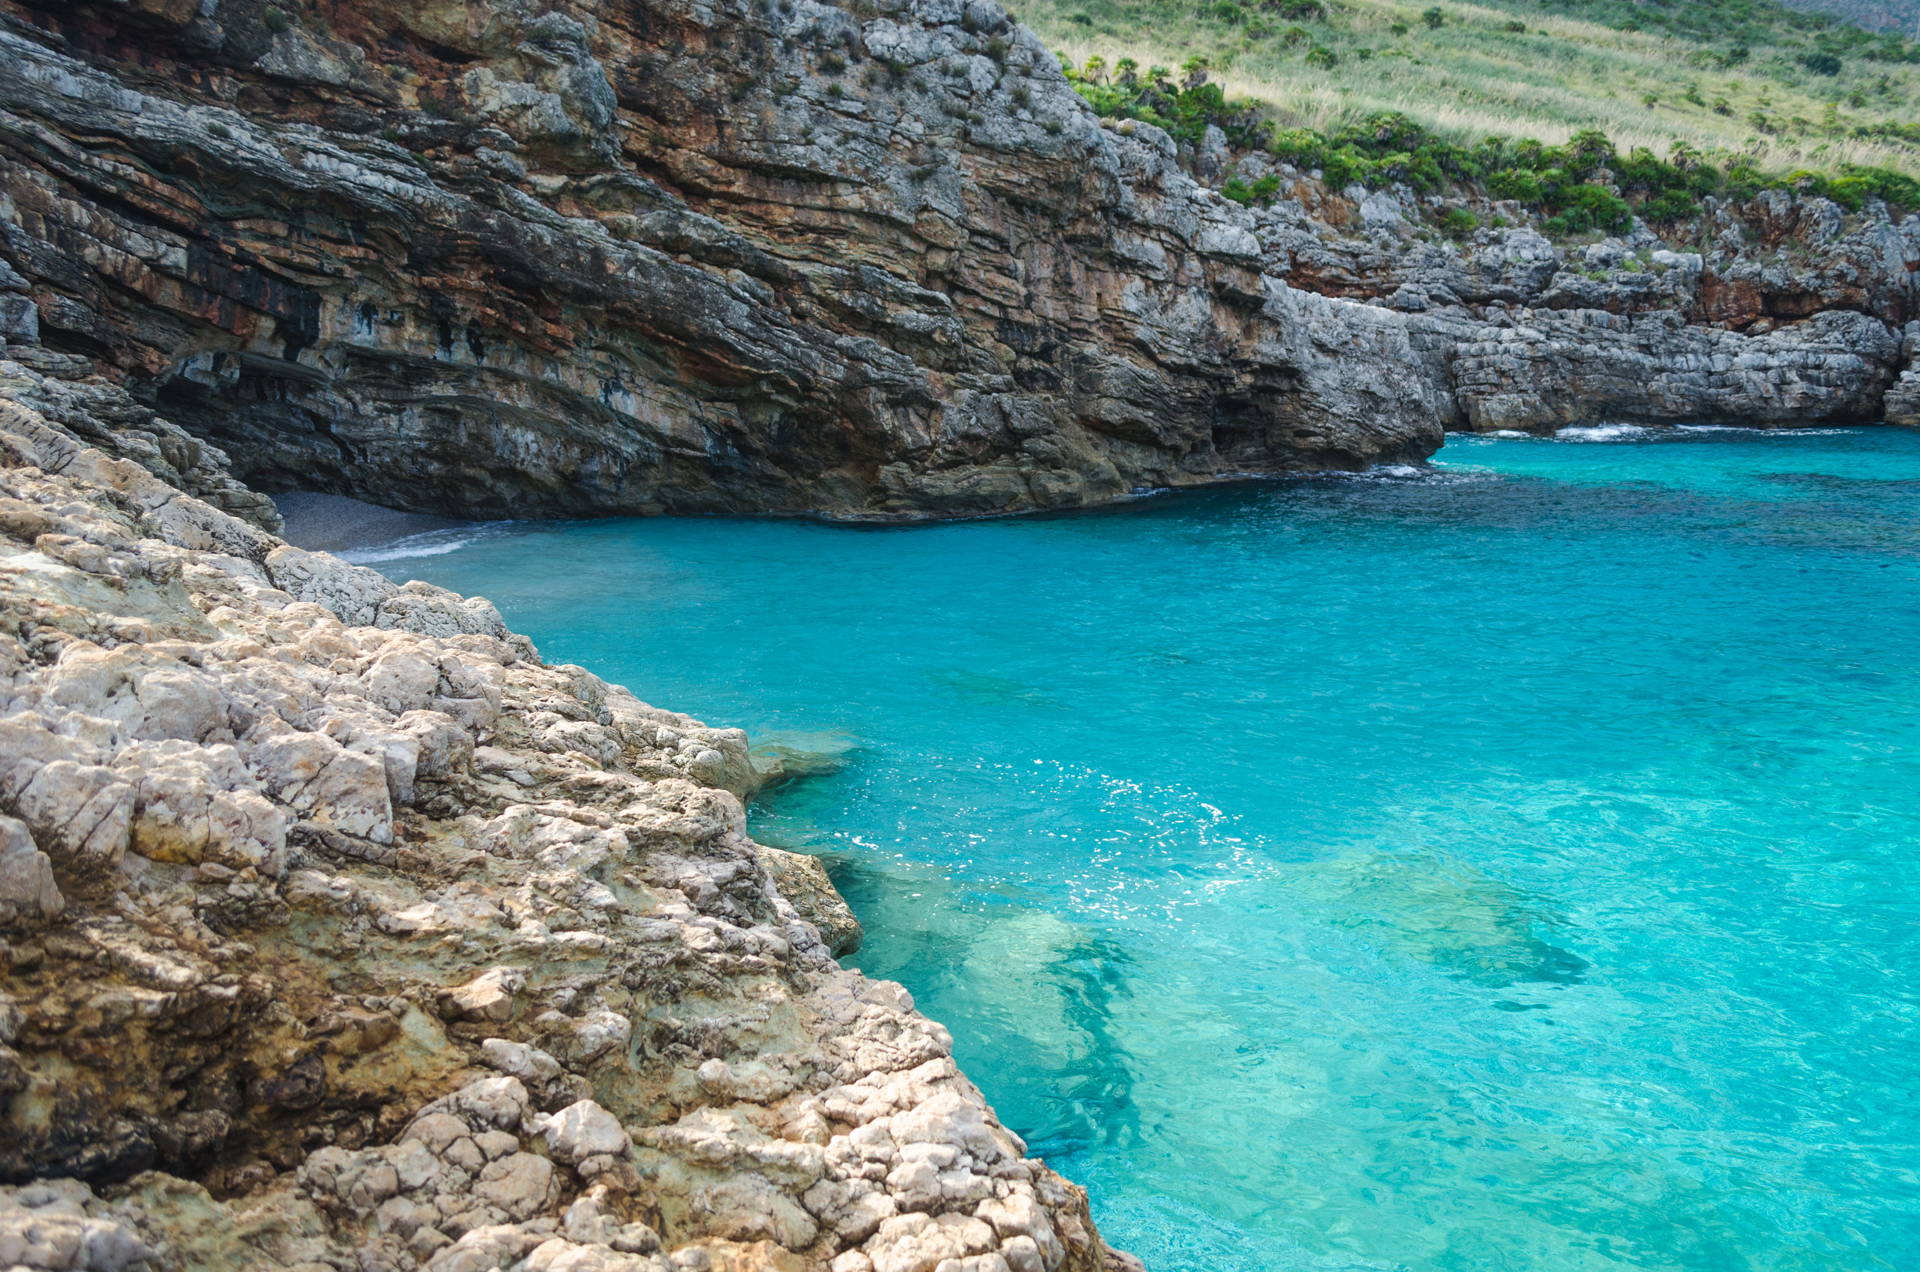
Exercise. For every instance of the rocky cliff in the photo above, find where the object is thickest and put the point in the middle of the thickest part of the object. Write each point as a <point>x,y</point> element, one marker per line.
<point>766,256</point>
<point>1780,311</point>
<point>781,256</point>
<point>338,930</point>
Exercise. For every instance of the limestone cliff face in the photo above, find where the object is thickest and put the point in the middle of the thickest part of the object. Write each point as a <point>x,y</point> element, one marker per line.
<point>1788,311</point>
<point>760,255</point>
<point>339,930</point>
<point>492,257</point>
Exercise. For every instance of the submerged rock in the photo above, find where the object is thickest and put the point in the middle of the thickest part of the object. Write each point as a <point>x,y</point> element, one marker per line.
<point>339,929</point>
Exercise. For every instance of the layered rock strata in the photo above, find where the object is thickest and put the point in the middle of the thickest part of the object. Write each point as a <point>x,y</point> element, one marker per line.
<point>339,930</point>
<point>1788,311</point>
<point>485,257</point>
<point>769,255</point>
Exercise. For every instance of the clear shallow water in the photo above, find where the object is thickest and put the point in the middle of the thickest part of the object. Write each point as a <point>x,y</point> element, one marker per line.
<point>1515,866</point>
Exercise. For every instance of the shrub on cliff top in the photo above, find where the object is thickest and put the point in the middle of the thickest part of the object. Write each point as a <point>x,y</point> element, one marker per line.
<point>1185,111</point>
<point>1586,207</point>
<point>1581,186</point>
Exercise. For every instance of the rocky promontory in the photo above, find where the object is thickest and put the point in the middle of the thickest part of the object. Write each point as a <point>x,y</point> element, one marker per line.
<point>339,930</point>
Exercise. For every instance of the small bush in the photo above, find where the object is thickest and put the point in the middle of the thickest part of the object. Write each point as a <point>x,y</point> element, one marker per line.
<point>1322,56</point>
<point>1301,147</point>
<point>1516,27</point>
<point>1457,223</point>
<point>1517,184</point>
<point>1821,63</point>
<point>1435,18</point>
<point>1397,28</point>
<point>1858,184</point>
<point>832,63</point>
<point>1259,193</point>
<point>1583,208</point>
<point>1669,208</point>
<point>275,18</point>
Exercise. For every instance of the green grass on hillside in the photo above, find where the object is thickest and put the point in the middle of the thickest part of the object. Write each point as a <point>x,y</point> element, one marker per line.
<point>1732,79</point>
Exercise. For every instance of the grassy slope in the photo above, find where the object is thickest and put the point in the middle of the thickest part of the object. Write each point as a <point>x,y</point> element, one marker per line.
<point>1902,16</point>
<point>1572,68</point>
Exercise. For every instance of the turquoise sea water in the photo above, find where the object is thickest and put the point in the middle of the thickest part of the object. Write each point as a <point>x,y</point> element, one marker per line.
<point>1514,865</point>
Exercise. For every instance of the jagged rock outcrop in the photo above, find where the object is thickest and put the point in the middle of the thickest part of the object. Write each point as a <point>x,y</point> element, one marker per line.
<point>1902,405</point>
<point>1793,313</point>
<point>1544,371</point>
<point>495,257</point>
<point>765,255</point>
<point>338,930</point>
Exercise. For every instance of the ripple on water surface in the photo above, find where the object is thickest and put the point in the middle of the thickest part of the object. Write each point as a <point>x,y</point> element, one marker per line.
<point>1512,867</point>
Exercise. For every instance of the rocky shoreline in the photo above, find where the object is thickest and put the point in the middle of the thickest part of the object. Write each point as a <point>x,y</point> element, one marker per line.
<point>340,930</point>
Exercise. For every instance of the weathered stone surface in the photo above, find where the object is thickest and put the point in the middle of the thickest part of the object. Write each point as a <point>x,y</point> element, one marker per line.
<point>661,258</point>
<point>27,886</point>
<point>1902,404</point>
<point>1792,315</point>
<point>1547,370</point>
<point>335,934</point>
<point>803,880</point>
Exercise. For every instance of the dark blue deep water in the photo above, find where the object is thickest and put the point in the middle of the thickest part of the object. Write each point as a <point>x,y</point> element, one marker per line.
<point>1509,866</point>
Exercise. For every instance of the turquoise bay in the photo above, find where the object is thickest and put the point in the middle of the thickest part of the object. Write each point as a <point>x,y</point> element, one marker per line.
<point>1512,865</point>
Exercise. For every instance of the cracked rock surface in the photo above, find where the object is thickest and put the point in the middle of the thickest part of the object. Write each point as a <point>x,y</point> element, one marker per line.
<point>338,930</point>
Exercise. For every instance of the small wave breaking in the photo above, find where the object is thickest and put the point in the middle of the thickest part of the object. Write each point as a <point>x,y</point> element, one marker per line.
<point>431,543</point>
